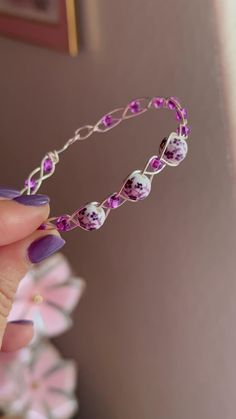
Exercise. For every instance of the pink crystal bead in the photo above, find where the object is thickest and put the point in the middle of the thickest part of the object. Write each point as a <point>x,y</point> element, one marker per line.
<point>47,165</point>
<point>184,113</point>
<point>184,130</point>
<point>181,114</point>
<point>107,120</point>
<point>158,102</point>
<point>63,223</point>
<point>113,201</point>
<point>171,104</point>
<point>42,227</point>
<point>31,183</point>
<point>156,163</point>
<point>176,100</point>
<point>135,106</point>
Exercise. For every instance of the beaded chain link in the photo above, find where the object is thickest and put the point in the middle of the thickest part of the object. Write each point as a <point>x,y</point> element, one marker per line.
<point>137,185</point>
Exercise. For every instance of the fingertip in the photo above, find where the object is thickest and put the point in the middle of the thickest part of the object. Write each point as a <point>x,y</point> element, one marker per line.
<point>18,334</point>
<point>22,322</point>
<point>18,221</point>
<point>44,246</point>
<point>8,193</point>
<point>37,200</point>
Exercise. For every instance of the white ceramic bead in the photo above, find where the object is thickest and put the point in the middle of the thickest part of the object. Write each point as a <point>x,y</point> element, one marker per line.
<point>137,187</point>
<point>91,217</point>
<point>175,151</point>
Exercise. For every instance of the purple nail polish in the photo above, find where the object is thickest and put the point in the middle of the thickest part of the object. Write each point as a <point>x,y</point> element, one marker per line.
<point>23,321</point>
<point>9,193</point>
<point>32,200</point>
<point>41,248</point>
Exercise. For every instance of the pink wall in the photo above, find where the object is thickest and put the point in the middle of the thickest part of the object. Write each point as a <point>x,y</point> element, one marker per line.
<point>155,333</point>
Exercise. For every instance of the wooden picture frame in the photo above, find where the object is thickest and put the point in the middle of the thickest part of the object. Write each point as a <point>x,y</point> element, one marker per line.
<point>49,23</point>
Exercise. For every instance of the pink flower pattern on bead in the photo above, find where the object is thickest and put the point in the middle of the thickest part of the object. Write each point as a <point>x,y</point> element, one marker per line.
<point>91,217</point>
<point>137,187</point>
<point>175,150</point>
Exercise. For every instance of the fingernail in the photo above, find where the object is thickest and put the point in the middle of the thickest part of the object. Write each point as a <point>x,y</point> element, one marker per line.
<point>24,322</point>
<point>32,200</point>
<point>9,193</point>
<point>41,248</point>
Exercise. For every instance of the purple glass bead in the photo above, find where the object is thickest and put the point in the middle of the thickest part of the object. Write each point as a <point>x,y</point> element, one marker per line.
<point>113,201</point>
<point>156,163</point>
<point>158,102</point>
<point>31,183</point>
<point>171,104</point>
<point>181,114</point>
<point>47,165</point>
<point>42,227</point>
<point>135,106</point>
<point>184,130</point>
<point>178,115</point>
<point>176,99</point>
<point>107,120</point>
<point>184,113</point>
<point>63,223</point>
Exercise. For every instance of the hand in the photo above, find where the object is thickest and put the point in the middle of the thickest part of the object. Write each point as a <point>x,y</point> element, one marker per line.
<point>21,245</point>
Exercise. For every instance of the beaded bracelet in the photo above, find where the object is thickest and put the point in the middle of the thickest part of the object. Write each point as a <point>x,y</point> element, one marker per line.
<point>137,185</point>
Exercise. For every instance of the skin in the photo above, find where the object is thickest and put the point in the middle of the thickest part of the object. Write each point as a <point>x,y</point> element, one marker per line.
<point>18,229</point>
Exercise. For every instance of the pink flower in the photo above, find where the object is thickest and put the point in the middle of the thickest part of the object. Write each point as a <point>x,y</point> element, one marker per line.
<point>9,389</point>
<point>47,384</point>
<point>47,295</point>
<point>11,364</point>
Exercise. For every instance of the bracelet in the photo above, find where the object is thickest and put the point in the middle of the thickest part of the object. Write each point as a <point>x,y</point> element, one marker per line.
<point>137,186</point>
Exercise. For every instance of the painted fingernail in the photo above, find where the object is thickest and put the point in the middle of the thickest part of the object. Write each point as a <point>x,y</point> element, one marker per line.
<point>41,248</point>
<point>22,322</point>
<point>9,193</point>
<point>32,200</point>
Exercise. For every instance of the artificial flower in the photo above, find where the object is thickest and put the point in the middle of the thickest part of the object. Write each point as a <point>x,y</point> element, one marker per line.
<point>46,382</point>
<point>47,295</point>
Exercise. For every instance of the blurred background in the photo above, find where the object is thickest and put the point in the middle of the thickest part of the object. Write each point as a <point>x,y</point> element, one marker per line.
<point>154,334</point>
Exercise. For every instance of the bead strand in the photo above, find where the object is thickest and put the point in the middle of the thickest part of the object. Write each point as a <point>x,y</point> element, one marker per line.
<point>137,185</point>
